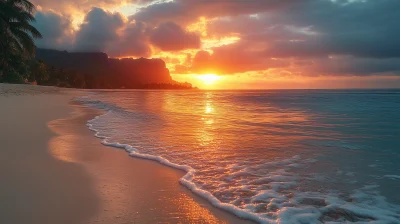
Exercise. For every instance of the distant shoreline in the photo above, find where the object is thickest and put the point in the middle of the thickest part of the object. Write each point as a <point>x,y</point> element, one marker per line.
<point>95,70</point>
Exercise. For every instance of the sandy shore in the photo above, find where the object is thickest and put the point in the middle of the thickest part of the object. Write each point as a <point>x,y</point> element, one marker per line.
<point>53,170</point>
<point>35,187</point>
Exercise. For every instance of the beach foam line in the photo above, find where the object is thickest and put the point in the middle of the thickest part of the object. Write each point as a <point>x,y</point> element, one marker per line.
<point>186,180</point>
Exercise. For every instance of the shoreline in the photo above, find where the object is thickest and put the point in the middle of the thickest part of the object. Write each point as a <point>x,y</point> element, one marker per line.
<point>192,209</point>
<point>185,180</point>
<point>122,188</point>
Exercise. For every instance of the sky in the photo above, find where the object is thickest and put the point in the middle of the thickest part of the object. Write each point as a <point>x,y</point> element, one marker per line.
<point>238,44</point>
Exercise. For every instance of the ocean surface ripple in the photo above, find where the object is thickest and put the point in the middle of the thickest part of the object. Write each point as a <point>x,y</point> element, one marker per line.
<point>287,156</point>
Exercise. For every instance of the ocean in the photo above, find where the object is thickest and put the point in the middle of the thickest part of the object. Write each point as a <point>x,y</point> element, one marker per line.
<point>275,156</point>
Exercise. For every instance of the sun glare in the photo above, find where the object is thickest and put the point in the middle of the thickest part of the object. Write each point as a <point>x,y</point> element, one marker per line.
<point>209,79</point>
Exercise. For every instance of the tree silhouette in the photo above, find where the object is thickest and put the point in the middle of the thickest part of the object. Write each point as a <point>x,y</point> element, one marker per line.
<point>16,33</point>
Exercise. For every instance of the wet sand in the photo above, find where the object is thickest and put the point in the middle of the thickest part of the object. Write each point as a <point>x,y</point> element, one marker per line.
<point>53,170</point>
<point>35,187</point>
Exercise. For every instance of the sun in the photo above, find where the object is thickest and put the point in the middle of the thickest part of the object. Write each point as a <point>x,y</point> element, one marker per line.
<point>209,79</point>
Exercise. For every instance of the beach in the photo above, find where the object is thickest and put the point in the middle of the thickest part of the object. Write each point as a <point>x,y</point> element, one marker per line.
<point>53,169</point>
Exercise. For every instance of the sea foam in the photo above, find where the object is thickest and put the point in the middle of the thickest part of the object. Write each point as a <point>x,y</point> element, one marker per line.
<point>186,180</point>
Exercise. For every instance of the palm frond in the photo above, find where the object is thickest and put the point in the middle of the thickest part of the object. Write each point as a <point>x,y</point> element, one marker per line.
<point>27,27</point>
<point>16,31</point>
<point>25,5</point>
<point>25,40</point>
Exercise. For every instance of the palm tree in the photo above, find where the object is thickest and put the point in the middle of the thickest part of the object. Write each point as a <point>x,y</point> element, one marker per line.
<point>16,33</point>
<point>38,71</point>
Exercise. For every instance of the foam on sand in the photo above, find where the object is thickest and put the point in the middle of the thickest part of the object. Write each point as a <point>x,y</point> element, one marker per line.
<point>186,180</point>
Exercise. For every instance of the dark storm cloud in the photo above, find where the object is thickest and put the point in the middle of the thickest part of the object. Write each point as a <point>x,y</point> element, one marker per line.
<point>98,30</point>
<point>171,37</point>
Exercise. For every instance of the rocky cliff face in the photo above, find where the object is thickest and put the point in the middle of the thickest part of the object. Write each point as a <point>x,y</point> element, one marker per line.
<point>126,72</point>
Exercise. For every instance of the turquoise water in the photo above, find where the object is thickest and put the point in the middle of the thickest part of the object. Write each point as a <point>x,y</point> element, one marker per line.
<point>288,156</point>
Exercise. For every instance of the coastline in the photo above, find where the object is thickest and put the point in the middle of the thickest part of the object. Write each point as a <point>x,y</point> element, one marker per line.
<point>122,189</point>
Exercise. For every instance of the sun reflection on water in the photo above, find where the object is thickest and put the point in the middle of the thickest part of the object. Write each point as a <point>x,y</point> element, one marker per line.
<point>209,108</point>
<point>228,140</point>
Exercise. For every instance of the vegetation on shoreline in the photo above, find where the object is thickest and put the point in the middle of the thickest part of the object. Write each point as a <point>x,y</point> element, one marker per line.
<point>19,65</point>
<point>41,74</point>
<point>17,46</point>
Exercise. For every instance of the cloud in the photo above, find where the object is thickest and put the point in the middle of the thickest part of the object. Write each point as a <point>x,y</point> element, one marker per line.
<point>318,28</point>
<point>350,65</point>
<point>311,37</point>
<point>133,41</point>
<point>98,30</point>
<point>101,31</point>
<point>171,37</point>
<point>79,6</point>
<point>55,28</point>
<point>358,28</point>
<point>186,11</point>
<point>230,59</point>
<point>112,33</point>
<point>329,37</point>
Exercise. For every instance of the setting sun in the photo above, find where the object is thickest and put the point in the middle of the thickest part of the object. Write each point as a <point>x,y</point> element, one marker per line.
<point>209,79</point>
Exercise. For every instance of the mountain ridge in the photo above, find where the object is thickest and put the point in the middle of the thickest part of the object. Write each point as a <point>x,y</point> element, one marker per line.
<point>114,72</point>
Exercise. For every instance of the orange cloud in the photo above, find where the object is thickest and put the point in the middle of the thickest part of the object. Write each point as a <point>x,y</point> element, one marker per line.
<point>68,6</point>
<point>230,59</point>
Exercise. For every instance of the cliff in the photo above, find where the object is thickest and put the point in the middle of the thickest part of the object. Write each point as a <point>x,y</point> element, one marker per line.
<point>117,73</point>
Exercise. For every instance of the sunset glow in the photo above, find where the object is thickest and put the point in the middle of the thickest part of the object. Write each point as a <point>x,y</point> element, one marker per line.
<point>255,40</point>
<point>209,79</point>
